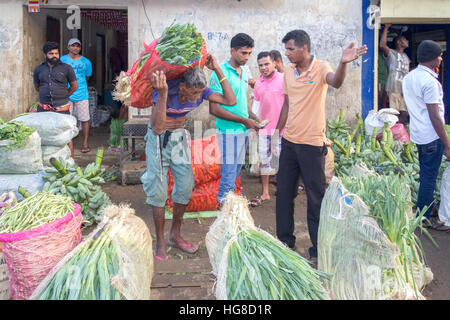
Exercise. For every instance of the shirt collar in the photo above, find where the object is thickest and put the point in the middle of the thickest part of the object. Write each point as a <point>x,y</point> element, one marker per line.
<point>313,62</point>
<point>421,66</point>
<point>274,76</point>
<point>230,67</point>
<point>46,64</point>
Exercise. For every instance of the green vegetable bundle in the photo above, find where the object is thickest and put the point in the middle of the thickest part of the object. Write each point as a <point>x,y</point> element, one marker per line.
<point>388,199</point>
<point>259,267</point>
<point>16,132</point>
<point>179,44</point>
<point>116,130</point>
<point>250,264</point>
<point>386,156</point>
<point>34,211</point>
<point>87,275</point>
<point>81,186</point>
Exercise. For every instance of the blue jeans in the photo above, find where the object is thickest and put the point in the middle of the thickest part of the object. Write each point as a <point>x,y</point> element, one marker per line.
<point>232,157</point>
<point>430,157</point>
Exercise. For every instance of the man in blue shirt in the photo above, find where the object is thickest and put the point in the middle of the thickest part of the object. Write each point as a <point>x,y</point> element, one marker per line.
<point>80,98</point>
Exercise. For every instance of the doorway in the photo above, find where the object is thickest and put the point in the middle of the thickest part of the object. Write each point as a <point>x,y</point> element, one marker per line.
<point>53,32</point>
<point>99,63</point>
<point>415,33</point>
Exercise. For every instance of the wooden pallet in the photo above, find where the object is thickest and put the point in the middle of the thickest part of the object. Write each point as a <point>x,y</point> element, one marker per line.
<point>187,279</point>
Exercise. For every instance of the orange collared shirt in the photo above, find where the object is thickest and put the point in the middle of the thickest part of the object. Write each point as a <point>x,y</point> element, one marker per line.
<point>307,95</point>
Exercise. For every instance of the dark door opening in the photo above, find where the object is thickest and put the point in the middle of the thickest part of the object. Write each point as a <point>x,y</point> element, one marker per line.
<point>53,30</point>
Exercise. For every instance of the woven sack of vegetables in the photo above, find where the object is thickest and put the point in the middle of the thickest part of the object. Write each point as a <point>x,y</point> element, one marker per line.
<point>58,152</point>
<point>55,129</point>
<point>204,196</point>
<point>203,174</point>
<point>369,246</point>
<point>20,149</point>
<point>35,235</point>
<point>179,48</point>
<point>444,206</point>
<point>33,182</point>
<point>250,264</point>
<point>114,262</point>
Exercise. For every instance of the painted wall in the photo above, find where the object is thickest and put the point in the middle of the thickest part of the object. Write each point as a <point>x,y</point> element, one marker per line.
<point>415,11</point>
<point>331,25</point>
<point>11,53</point>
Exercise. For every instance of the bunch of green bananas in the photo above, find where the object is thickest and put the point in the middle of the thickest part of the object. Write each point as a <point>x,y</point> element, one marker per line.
<point>337,127</point>
<point>82,186</point>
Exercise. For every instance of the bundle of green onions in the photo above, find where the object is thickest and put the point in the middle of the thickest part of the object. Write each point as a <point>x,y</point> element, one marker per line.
<point>116,130</point>
<point>87,275</point>
<point>34,211</point>
<point>179,44</point>
<point>259,267</point>
<point>250,264</point>
<point>388,199</point>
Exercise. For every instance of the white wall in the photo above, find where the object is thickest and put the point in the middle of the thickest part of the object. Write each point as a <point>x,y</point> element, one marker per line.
<point>332,25</point>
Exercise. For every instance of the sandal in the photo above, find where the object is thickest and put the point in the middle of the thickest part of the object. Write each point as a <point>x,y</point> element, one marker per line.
<point>85,149</point>
<point>427,224</point>
<point>438,226</point>
<point>257,201</point>
<point>186,247</point>
<point>161,259</point>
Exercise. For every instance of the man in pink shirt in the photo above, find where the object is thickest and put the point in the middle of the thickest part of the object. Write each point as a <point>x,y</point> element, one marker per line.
<point>268,92</point>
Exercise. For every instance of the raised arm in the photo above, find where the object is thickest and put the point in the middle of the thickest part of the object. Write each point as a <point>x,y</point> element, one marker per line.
<point>227,98</point>
<point>158,116</point>
<point>383,41</point>
<point>335,79</point>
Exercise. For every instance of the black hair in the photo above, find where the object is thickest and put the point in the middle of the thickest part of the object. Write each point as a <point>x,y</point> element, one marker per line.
<point>49,45</point>
<point>276,55</point>
<point>300,38</point>
<point>264,54</point>
<point>242,40</point>
<point>396,39</point>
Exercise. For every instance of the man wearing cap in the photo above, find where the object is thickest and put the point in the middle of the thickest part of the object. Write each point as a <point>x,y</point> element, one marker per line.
<point>55,81</point>
<point>423,96</point>
<point>79,100</point>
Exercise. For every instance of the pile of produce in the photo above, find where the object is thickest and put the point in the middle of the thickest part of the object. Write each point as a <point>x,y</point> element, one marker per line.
<point>388,199</point>
<point>113,262</point>
<point>7,200</point>
<point>250,264</point>
<point>16,132</point>
<point>385,155</point>
<point>179,48</point>
<point>96,264</point>
<point>80,185</point>
<point>34,211</point>
<point>180,44</point>
<point>116,131</point>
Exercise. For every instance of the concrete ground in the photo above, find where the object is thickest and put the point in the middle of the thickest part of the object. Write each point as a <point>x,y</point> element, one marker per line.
<point>189,276</point>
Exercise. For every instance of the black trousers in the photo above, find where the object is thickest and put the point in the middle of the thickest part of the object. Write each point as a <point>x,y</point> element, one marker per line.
<point>309,161</point>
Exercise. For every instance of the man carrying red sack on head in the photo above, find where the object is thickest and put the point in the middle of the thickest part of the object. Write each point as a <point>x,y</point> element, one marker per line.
<point>167,145</point>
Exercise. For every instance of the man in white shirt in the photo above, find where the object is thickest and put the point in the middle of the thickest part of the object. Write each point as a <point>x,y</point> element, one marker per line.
<point>423,96</point>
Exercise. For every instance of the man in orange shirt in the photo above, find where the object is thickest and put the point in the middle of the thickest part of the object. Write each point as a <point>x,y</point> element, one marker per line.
<point>303,149</point>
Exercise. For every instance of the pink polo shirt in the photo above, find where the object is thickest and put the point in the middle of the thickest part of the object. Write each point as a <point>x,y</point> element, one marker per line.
<point>270,95</point>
